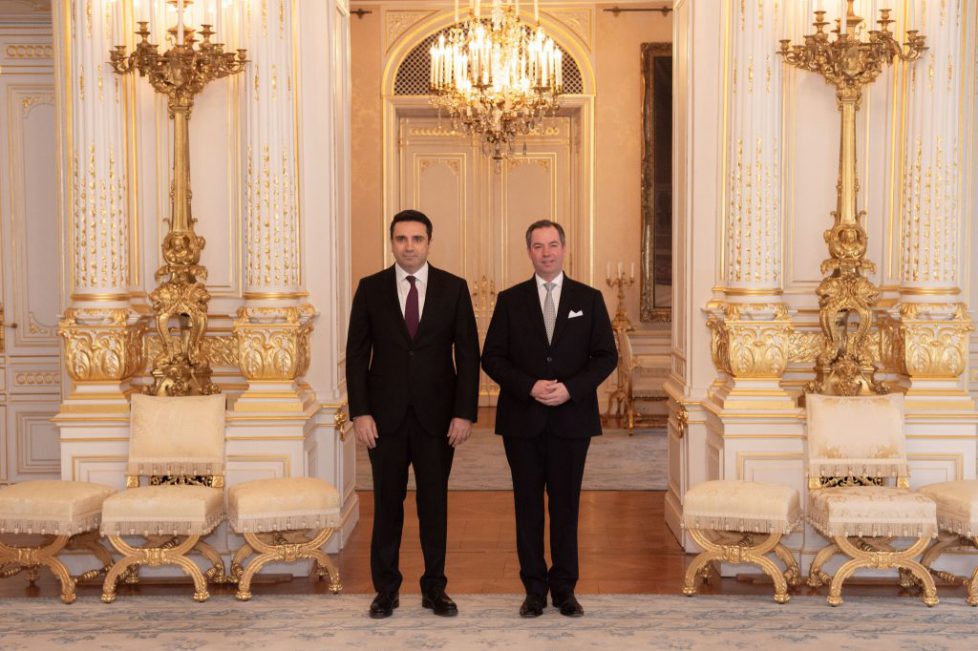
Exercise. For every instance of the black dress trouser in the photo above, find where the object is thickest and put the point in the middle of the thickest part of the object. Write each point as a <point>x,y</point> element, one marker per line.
<point>555,464</point>
<point>431,456</point>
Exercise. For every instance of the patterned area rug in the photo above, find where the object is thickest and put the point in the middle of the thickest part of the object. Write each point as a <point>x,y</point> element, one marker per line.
<point>615,461</point>
<point>486,622</point>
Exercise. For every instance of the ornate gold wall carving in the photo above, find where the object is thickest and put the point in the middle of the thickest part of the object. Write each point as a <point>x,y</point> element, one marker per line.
<point>102,344</point>
<point>750,340</point>
<point>927,341</point>
<point>273,342</point>
<point>30,51</point>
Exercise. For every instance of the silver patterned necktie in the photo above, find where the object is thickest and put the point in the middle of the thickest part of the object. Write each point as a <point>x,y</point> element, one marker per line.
<point>549,311</point>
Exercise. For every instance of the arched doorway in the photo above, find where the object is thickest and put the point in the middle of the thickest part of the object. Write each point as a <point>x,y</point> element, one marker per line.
<point>481,207</point>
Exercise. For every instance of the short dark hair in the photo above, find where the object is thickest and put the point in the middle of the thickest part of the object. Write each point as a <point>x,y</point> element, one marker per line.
<point>411,216</point>
<point>545,223</point>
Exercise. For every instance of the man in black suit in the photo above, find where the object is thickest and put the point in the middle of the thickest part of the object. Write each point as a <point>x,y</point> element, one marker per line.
<point>549,346</point>
<point>412,376</point>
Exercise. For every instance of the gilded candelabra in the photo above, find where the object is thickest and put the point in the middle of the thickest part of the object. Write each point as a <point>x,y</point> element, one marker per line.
<point>180,73</point>
<point>845,366</point>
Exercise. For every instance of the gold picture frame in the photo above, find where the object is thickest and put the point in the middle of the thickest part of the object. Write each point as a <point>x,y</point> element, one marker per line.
<point>656,271</point>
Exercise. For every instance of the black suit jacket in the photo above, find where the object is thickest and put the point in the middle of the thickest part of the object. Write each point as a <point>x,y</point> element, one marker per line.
<point>516,354</point>
<point>386,371</point>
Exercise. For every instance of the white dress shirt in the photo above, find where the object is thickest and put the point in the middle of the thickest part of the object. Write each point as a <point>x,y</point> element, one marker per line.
<point>404,286</point>
<point>558,281</point>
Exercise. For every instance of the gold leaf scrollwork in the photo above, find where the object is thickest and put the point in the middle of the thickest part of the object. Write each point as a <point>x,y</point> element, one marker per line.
<point>750,340</point>
<point>273,343</point>
<point>102,344</point>
<point>927,341</point>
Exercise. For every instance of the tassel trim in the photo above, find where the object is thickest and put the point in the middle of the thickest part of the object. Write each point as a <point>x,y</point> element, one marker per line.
<point>165,528</point>
<point>191,467</point>
<point>967,528</point>
<point>875,529</point>
<point>742,524</point>
<point>78,525</point>
<point>263,523</point>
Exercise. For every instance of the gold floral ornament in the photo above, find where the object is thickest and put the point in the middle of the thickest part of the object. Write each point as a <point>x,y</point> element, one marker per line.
<point>180,73</point>
<point>102,344</point>
<point>750,340</point>
<point>845,364</point>
<point>273,342</point>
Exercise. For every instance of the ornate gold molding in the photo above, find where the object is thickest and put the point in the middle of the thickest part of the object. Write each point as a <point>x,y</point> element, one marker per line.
<point>750,340</point>
<point>273,342</point>
<point>30,51</point>
<point>102,344</point>
<point>926,341</point>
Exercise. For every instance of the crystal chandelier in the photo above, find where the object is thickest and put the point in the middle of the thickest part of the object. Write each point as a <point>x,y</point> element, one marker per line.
<point>495,75</point>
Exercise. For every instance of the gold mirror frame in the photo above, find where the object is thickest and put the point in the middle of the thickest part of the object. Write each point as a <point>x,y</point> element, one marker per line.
<point>656,285</point>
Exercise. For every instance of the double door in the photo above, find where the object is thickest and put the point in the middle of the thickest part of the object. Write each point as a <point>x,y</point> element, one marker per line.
<point>481,207</point>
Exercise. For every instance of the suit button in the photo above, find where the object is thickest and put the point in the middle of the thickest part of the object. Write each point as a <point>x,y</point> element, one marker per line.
<point>411,353</point>
<point>550,359</point>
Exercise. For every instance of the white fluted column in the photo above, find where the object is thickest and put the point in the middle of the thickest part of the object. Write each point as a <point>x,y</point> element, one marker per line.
<point>102,334</point>
<point>751,326</point>
<point>926,334</point>
<point>273,326</point>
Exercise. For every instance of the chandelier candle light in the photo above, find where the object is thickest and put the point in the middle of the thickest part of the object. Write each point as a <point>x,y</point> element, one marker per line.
<point>180,73</point>
<point>845,365</point>
<point>496,76</point>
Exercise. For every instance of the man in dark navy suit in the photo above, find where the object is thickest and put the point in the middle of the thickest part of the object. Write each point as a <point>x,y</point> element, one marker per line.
<point>412,375</point>
<point>549,346</point>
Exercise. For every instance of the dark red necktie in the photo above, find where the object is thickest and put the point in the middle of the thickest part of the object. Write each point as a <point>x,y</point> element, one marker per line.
<point>411,308</point>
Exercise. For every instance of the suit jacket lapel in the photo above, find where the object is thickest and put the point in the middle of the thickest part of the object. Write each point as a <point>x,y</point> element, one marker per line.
<point>394,303</point>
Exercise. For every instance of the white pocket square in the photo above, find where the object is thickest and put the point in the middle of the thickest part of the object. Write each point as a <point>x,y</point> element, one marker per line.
<point>573,314</point>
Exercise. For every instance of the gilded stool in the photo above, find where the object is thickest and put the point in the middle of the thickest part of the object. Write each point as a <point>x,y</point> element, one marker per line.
<point>726,518</point>
<point>283,519</point>
<point>957,523</point>
<point>66,513</point>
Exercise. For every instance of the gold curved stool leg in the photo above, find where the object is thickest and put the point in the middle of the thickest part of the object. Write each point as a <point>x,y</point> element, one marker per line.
<point>29,559</point>
<point>283,546</point>
<point>948,542</point>
<point>792,573</point>
<point>326,566</point>
<point>816,577</point>
<point>865,556</point>
<point>740,549</point>
<point>237,563</point>
<point>171,551</point>
<point>216,572</point>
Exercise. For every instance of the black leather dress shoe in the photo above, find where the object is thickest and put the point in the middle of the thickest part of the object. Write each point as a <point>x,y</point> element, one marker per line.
<point>384,604</point>
<point>533,606</point>
<point>439,603</point>
<point>569,606</point>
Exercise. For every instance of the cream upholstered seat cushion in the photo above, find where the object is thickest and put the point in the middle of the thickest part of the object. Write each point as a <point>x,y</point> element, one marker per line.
<point>731,505</point>
<point>856,436</point>
<point>176,435</point>
<point>872,511</point>
<point>163,510</point>
<point>957,505</point>
<point>60,508</point>
<point>283,504</point>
